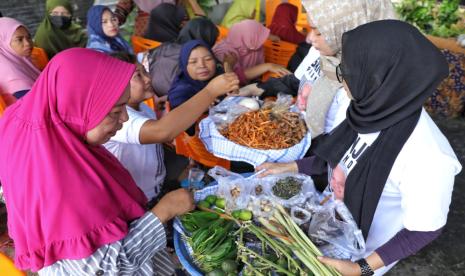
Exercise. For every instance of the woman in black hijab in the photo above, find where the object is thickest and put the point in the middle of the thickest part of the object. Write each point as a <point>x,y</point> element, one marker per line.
<point>388,161</point>
<point>165,23</point>
<point>199,28</point>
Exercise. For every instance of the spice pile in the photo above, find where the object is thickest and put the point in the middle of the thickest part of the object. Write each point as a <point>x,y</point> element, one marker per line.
<point>266,129</point>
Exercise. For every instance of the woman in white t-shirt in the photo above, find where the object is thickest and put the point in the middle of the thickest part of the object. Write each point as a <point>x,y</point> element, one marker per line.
<point>388,161</point>
<point>137,145</point>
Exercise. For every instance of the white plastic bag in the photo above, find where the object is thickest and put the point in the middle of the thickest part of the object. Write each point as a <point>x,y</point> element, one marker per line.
<point>333,224</point>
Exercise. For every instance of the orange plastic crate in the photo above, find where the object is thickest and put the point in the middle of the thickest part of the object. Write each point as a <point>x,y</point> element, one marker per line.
<point>7,267</point>
<point>279,52</point>
<point>223,32</point>
<point>141,44</point>
<point>2,105</point>
<point>271,6</point>
<point>39,58</point>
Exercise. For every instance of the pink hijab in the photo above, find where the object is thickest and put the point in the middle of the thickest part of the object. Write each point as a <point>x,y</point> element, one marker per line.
<point>65,198</point>
<point>18,73</point>
<point>148,5</point>
<point>245,39</point>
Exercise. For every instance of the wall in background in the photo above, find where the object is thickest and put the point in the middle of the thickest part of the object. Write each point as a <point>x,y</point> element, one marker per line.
<point>31,12</point>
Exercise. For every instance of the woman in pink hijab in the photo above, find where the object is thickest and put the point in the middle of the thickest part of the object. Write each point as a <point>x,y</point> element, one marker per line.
<point>244,44</point>
<point>72,207</point>
<point>16,69</point>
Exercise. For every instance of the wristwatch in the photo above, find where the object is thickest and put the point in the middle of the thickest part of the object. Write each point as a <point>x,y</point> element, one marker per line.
<point>365,267</point>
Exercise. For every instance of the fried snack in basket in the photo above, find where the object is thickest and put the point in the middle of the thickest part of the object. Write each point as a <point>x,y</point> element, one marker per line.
<point>266,129</point>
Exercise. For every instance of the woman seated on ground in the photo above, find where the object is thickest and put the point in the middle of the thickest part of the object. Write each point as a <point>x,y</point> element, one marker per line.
<point>162,63</point>
<point>283,24</point>
<point>57,31</point>
<point>387,161</point>
<point>239,10</point>
<point>245,43</point>
<point>103,30</point>
<point>166,21</point>
<point>16,69</point>
<point>137,145</point>
<point>83,214</point>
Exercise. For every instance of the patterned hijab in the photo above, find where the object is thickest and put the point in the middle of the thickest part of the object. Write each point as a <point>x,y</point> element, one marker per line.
<point>53,39</point>
<point>18,73</point>
<point>335,17</point>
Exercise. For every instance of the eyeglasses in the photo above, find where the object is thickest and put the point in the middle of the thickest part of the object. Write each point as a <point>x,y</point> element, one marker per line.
<point>339,73</point>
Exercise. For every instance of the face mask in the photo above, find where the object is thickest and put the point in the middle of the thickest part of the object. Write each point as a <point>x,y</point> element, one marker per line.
<point>62,22</point>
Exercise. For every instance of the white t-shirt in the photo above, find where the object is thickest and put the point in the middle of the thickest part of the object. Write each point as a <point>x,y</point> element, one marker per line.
<point>419,187</point>
<point>144,162</point>
<point>309,70</point>
<point>337,110</point>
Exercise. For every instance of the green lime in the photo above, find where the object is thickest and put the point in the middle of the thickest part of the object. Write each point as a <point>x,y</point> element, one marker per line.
<point>220,203</point>
<point>245,215</point>
<point>211,199</point>
<point>236,214</point>
<point>229,266</point>
<point>204,204</point>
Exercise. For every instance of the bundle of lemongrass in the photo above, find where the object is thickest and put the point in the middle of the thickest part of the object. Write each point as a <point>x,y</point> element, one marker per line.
<point>288,232</point>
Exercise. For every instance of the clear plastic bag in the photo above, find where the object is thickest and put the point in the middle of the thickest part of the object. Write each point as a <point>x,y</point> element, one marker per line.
<point>261,206</point>
<point>335,231</point>
<point>307,189</point>
<point>232,187</point>
<point>226,112</point>
<point>300,215</point>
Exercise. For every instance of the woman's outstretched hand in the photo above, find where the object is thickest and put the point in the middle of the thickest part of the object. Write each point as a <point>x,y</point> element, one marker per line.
<point>277,168</point>
<point>173,204</point>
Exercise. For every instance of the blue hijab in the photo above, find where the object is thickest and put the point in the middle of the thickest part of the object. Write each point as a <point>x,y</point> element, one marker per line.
<point>98,40</point>
<point>184,87</point>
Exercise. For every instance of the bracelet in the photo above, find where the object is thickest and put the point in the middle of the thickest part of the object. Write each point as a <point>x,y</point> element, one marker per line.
<point>365,267</point>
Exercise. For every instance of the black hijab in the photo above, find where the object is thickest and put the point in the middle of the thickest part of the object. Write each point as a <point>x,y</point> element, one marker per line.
<point>165,22</point>
<point>199,28</point>
<point>390,69</point>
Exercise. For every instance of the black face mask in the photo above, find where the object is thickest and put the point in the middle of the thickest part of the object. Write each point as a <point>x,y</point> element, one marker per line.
<point>62,22</point>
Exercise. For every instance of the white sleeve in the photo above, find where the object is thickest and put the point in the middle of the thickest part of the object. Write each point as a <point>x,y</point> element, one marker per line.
<point>130,132</point>
<point>426,191</point>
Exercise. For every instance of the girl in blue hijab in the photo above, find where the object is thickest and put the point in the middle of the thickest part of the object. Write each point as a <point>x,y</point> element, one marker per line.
<point>103,31</point>
<point>198,66</point>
